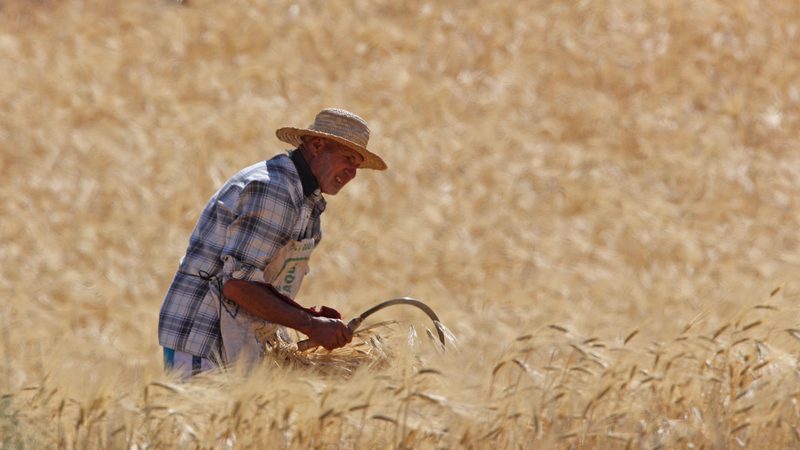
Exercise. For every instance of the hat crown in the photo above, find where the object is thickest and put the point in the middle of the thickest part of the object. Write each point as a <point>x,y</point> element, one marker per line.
<point>343,124</point>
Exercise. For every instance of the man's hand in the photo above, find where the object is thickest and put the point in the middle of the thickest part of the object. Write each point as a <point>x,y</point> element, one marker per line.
<point>329,333</point>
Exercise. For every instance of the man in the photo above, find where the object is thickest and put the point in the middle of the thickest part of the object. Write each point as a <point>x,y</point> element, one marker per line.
<point>233,291</point>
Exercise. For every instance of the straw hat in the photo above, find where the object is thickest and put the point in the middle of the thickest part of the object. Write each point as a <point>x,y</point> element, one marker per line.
<point>341,126</point>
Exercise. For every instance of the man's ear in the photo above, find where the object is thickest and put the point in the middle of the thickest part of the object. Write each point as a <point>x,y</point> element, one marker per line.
<point>316,145</point>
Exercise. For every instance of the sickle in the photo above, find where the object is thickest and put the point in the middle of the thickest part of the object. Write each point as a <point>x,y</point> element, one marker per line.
<point>356,321</point>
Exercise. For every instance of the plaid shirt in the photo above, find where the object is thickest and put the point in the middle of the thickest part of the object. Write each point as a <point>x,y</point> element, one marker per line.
<point>250,218</point>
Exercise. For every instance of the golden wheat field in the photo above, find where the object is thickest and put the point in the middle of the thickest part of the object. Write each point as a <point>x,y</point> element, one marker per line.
<point>598,198</point>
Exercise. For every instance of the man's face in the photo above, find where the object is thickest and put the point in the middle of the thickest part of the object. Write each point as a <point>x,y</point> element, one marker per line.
<point>335,166</point>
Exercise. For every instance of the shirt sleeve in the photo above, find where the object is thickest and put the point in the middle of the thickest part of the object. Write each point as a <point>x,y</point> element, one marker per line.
<point>263,224</point>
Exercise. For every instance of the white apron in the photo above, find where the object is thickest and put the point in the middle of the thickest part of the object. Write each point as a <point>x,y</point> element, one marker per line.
<point>244,336</point>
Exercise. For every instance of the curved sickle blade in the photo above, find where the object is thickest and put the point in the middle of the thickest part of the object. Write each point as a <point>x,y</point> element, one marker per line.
<point>406,301</point>
<point>356,322</point>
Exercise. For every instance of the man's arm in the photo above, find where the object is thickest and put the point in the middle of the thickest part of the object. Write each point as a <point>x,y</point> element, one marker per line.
<point>260,301</point>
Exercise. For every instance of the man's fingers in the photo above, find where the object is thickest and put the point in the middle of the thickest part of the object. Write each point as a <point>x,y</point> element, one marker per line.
<point>348,336</point>
<point>341,339</point>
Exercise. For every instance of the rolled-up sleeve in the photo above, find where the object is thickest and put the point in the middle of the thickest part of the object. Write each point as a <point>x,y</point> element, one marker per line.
<point>265,215</point>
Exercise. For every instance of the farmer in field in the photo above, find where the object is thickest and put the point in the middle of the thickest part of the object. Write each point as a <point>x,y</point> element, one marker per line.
<point>234,289</point>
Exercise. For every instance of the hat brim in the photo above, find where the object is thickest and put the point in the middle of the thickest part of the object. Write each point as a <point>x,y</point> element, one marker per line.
<point>292,135</point>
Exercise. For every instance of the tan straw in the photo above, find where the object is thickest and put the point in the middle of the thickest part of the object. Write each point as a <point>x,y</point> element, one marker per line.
<point>341,126</point>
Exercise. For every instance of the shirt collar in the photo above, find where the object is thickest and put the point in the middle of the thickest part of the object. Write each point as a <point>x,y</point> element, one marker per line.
<point>307,179</point>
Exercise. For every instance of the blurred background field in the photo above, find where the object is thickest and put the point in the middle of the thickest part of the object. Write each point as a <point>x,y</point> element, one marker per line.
<point>598,198</point>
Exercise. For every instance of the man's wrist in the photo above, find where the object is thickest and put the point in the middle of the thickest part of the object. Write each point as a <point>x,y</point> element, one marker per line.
<point>306,323</point>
